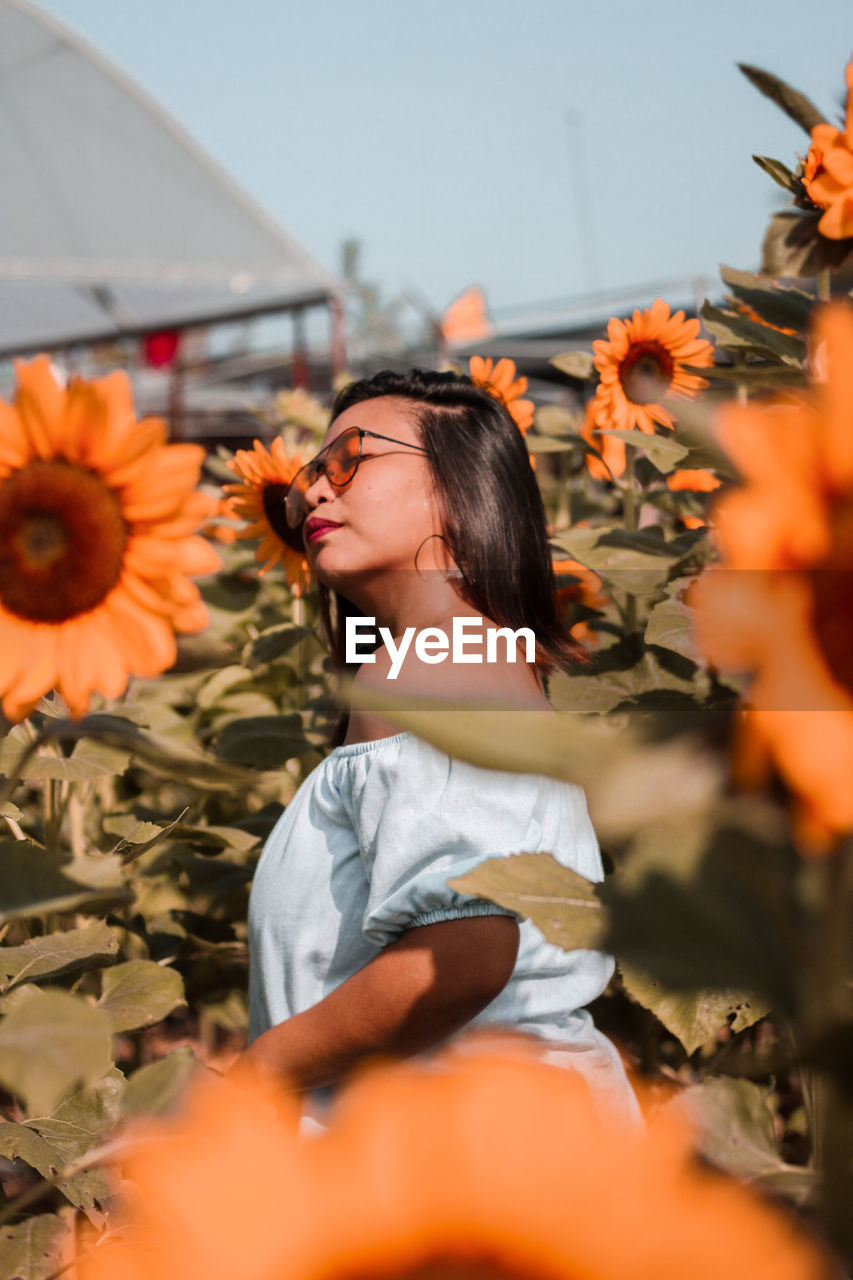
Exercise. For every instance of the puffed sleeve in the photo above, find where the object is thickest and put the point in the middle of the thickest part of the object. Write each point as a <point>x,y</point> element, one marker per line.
<point>422,818</point>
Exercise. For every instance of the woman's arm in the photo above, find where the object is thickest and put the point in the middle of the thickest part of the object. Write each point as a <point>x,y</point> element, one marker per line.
<point>411,996</point>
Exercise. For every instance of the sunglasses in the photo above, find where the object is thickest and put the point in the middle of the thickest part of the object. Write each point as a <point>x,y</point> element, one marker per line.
<point>338,462</point>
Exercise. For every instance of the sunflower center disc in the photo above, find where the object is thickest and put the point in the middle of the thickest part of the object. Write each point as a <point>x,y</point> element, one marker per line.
<point>62,540</point>
<point>646,372</point>
<point>272,497</point>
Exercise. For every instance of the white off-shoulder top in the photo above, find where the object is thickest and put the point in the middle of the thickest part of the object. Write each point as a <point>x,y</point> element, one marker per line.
<point>364,851</point>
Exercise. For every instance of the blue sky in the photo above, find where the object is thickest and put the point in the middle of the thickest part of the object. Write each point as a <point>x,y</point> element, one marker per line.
<point>455,138</point>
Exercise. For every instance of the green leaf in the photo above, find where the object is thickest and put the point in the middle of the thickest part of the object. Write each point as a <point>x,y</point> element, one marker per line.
<point>139,837</point>
<point>735,331</point>
<point>793,246</point>
<point>157,1089</point>
<point>34,1249</point>
<point>34,882</point>
<point>603,691</point>
<point>57,954</point>
<point>709,901</point>
<point>87,762</point>
<point>115,731</point>
<point>795,105</point>
<point>740,1137</point>
<point>782,305</point>
<point>264,742</point>
<point>277,642</point>
<point>223,680</point>
<point>56,1142</point>
<point>663,452</point>
<point>780,173</point>
<point>561,903</point>
<point>669,627</point>
<point>557,420</point>
<point>693,1017</point>
<point>550,444</point>
<point>639,562</point>
<point>754,377</point>
<point>139,993</point>
<point>577,364</point>
<point>50,1043</point>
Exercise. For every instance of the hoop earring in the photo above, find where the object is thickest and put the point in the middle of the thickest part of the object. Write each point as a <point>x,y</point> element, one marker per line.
<point>450,573</point>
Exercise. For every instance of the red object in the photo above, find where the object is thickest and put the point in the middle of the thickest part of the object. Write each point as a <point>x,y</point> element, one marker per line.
<point>162,348</point>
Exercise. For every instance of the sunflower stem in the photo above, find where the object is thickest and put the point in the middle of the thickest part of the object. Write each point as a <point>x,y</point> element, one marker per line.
<point>630,514</point>
<point>824,284</point>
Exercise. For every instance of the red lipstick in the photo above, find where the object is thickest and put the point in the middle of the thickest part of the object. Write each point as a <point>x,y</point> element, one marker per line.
<point>316,527</point>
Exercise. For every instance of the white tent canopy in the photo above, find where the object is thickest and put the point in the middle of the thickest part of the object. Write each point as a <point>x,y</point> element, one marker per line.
<point>112,220</point>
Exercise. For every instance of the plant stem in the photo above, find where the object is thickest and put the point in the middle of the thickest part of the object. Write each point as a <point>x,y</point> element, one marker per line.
<point>824,284</point>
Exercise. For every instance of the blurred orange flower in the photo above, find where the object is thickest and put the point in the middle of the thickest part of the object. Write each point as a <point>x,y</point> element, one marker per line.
<point>500,381</point>
<point>585,589</point>
<point>482,1164</point>
<point>692,480</point>
<point>259,498</point>
<point>828,172</point>
<point>642,362</point>
<point>97,522</point>
<point>781,604</point>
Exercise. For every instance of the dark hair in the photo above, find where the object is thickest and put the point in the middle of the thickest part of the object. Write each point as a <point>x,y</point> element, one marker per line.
<point>492,515</point>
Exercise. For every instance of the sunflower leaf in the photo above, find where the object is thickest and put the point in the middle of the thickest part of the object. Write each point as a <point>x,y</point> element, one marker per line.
<point>693,1017</point>
<point>638,562</point>
<point>264,742</point>
<point>57,955</point>
<point>795,104</point>
<point>707,900</point>
<point>33,1249</point>
<point>793,246</point>
<point>780,173</point>
<point>740,1137</point>
<point>577,364</point>
<point>663,452</point>
<point>669,627</point>
<point>139,993</point>
<point>50,1042</point>
<point>156,1089</point>
<point>562,904</point>
<point>785,306</point>
<point>36,881</point>
<point>53,1143</point>
<point>733,330</point>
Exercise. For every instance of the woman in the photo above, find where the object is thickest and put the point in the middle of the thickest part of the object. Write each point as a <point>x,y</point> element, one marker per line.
<point>421,508</point>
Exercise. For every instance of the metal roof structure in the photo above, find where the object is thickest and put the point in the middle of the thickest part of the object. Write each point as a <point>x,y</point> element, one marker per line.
<point>113,221</point>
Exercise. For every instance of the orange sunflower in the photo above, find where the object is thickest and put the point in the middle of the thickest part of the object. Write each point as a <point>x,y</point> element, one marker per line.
<point>692,480</point>
<point>500,381</point>
<point>585,589</point>
<point>828,172</point>
<point>642,361</point>
<point>781,604</point>
<point>259,498</point>
<point>487,1164</point>
<point>97,517</point>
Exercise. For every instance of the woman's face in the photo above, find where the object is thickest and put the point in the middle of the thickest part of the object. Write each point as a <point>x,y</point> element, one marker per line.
<point>378,521</point>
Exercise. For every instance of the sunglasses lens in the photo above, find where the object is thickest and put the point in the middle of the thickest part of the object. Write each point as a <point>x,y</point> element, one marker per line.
<point>342,458</point>
<point>295,505</point>
<point>338,460</point>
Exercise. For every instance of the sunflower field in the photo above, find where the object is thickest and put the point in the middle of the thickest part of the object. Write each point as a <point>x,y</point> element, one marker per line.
<point>165,690</point>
